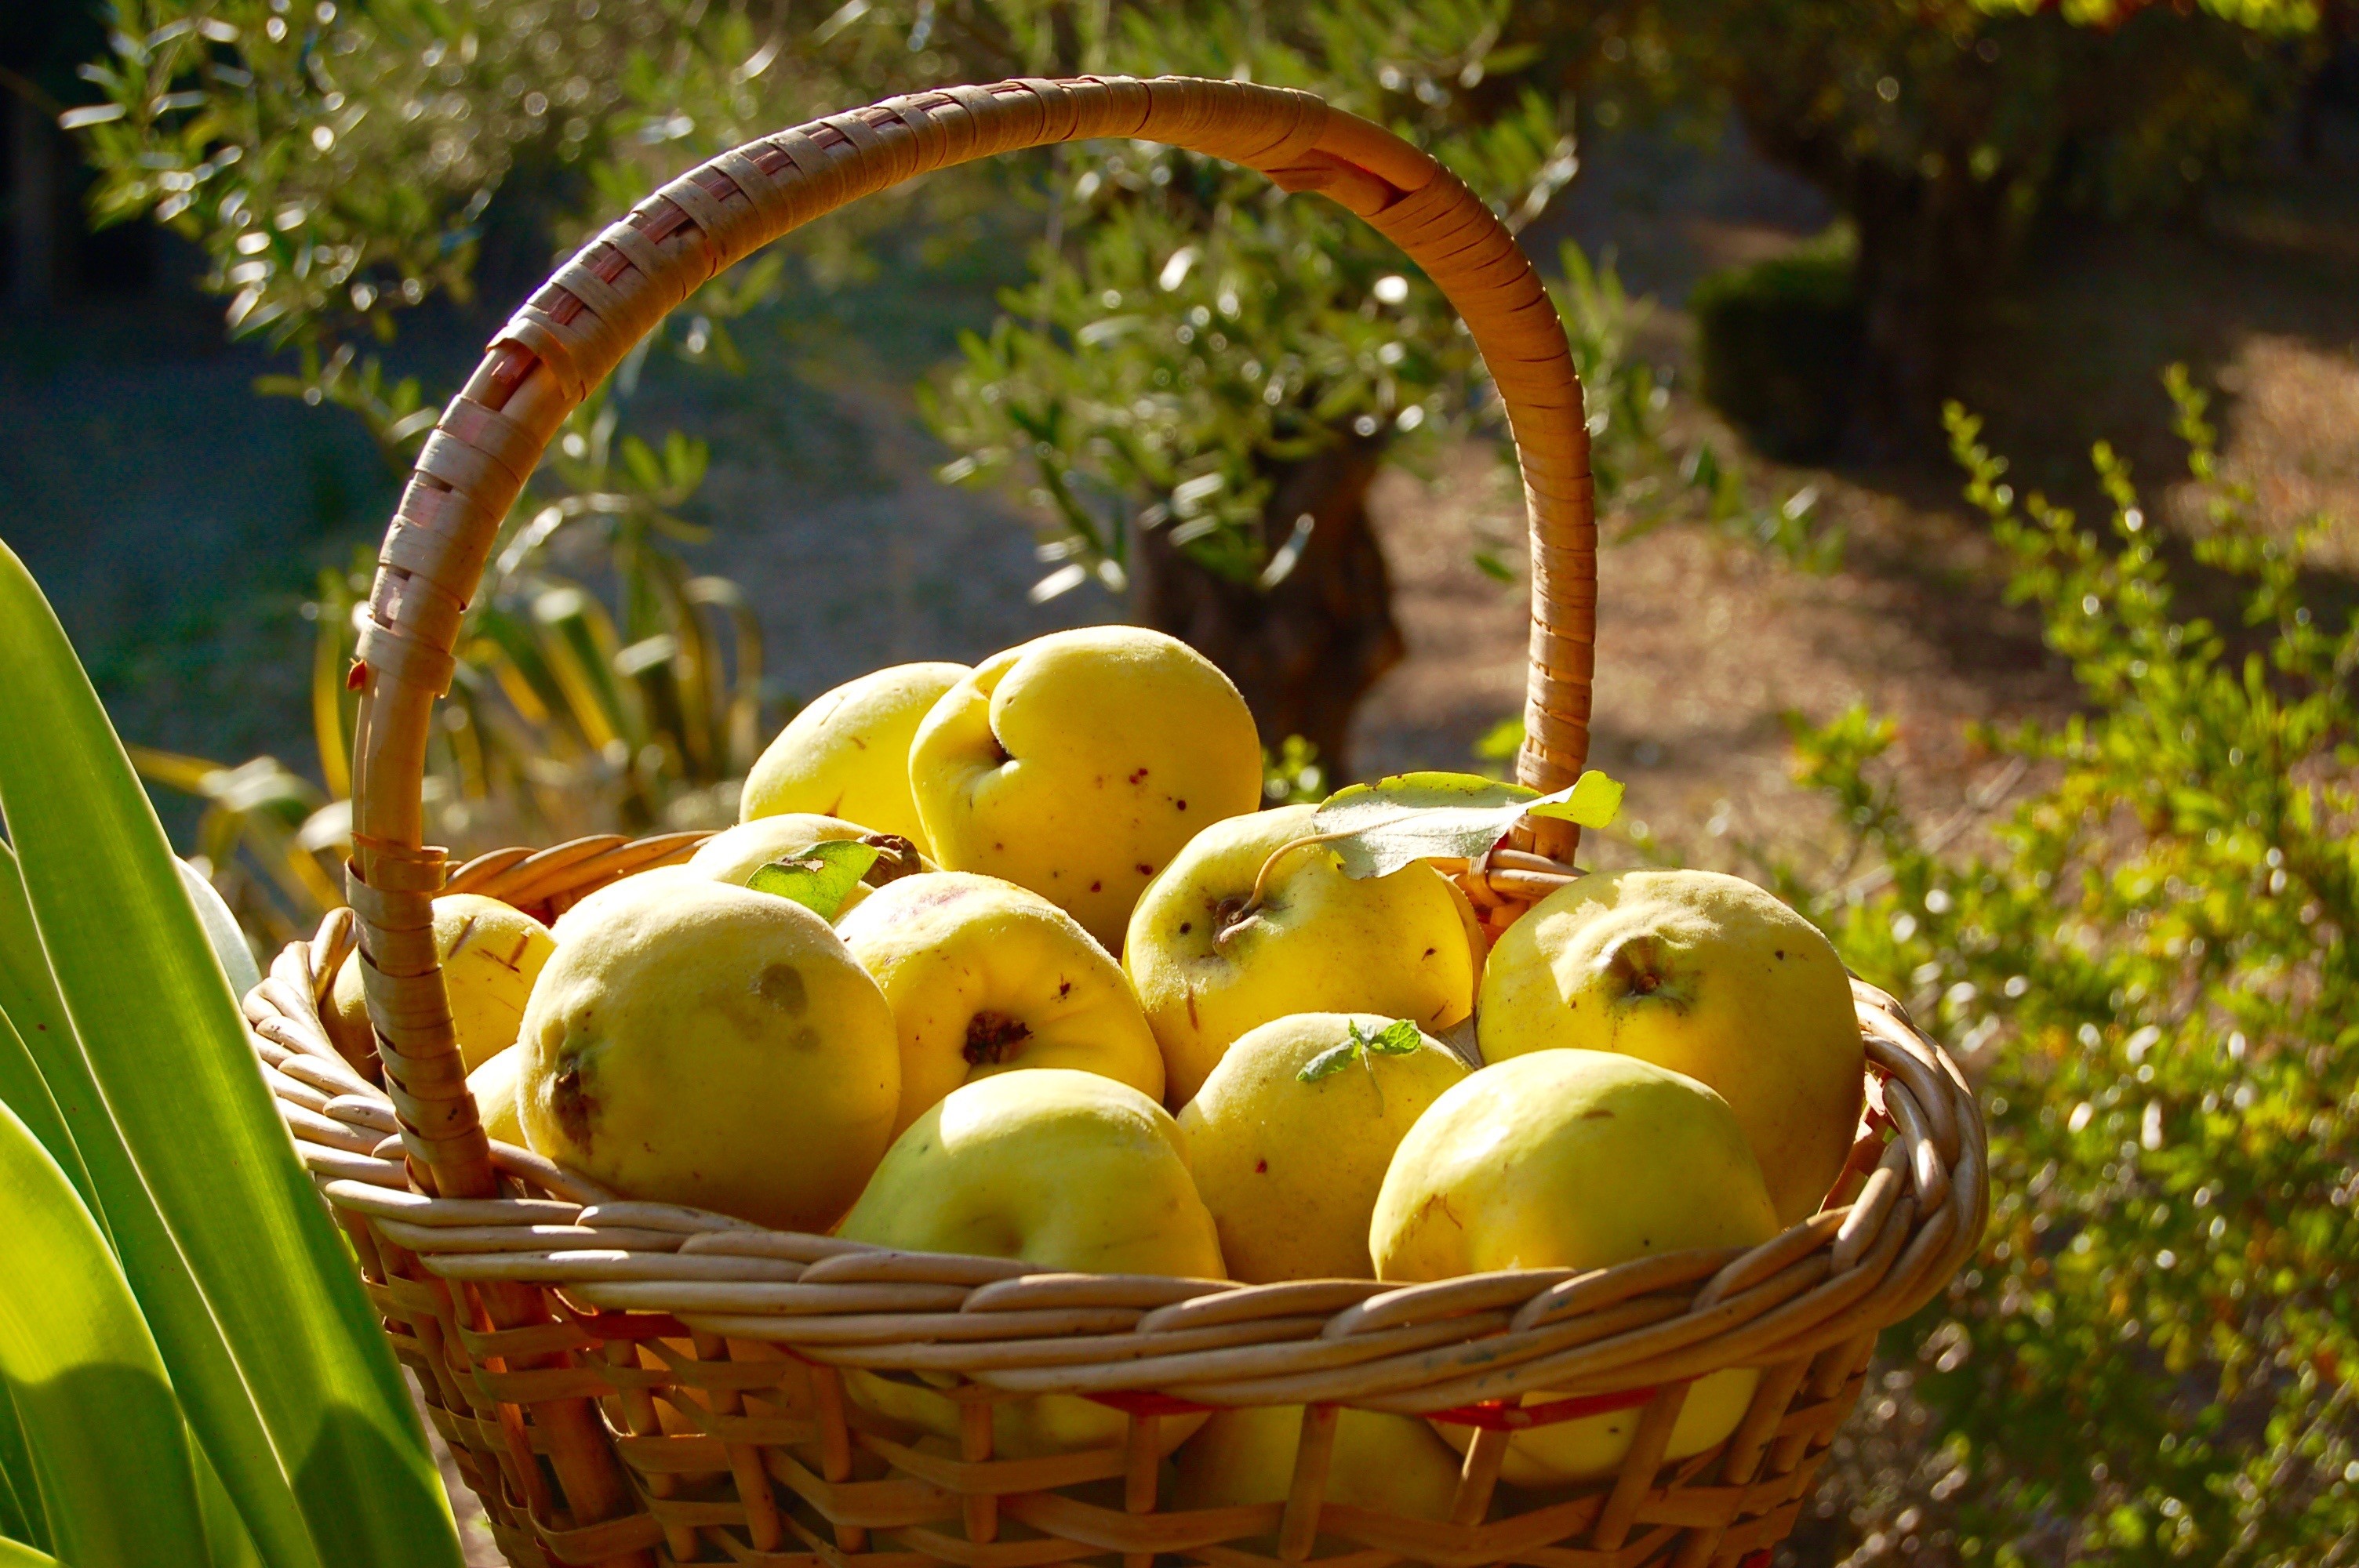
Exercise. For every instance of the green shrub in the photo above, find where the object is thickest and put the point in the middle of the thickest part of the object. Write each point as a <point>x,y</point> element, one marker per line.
<point>2151,970</point>
<point>1778,345</point>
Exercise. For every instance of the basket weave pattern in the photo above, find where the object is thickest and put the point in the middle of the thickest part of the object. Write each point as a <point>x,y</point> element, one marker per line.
<point>740,1333</point>
<point>633,1384</point>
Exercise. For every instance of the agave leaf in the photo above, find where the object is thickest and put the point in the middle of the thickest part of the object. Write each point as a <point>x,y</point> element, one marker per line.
<point>744,691</point>
<point>49,1073</point>
<point>1377,828</point>
<point>17,1554</point>
<point>104,1435</point>
<point>821,877</point>
<point>276,1350</point>
<point>205,1376</point>
<point>329,734</point>
<point>21,1519</point>
<point>225,1535</point>
<point>227,940</point>
<point>24,1090</point>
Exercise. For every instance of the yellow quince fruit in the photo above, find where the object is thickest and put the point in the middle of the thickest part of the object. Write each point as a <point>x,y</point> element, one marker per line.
<point>847,753</point>
<point>1706,975</point>
<point>735,855</point>
<point>588,910</point>
<point>491,955</point>
<point>1386,1463</point>
<point>984,977</point>
<point>1070,1170</point>
<point>1574,1160</point>
<point>1077,764</point>
<point>1208,963</point>
<point>715,1047</point>
<point>494,1085</point>
<point>1291,1135</point>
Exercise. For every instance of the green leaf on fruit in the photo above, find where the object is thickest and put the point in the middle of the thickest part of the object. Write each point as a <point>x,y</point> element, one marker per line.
<point>1398,1038</point>
<point>1377,828</point>
<point>1330,1062</point>
<point>821,877</point>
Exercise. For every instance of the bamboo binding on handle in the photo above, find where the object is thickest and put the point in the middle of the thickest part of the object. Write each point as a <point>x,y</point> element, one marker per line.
<point>616,291</point>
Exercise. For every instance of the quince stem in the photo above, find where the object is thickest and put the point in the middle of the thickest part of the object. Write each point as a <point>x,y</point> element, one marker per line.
<point>1254,901</point>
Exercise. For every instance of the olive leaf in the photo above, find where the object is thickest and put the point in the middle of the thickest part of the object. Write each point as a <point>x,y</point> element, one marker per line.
<point>821,877</point>
<point>1377,828</point>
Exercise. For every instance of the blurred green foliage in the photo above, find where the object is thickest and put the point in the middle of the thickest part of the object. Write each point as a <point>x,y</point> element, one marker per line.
<point>2150,968</point>
<point>1200,330</point>
<point>1188,335</point>
<point>1944,130</point>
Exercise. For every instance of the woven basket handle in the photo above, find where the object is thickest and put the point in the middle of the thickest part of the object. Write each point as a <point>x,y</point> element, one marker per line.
<point>616,291</point>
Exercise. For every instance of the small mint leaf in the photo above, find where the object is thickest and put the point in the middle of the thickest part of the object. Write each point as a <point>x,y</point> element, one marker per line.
<point>1330,1062</point>
<point>821,877</point>
<point>1400,1038</point>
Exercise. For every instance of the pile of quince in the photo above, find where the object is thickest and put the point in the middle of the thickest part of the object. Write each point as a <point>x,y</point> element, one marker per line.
<point>1005,960</point>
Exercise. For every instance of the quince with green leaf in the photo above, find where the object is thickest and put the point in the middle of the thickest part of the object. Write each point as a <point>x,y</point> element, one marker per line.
<point>1256,919</point>
<point>1291,1133</point>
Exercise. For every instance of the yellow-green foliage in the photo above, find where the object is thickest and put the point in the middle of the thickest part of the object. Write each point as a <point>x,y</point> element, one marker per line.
<point>2155,1357</point>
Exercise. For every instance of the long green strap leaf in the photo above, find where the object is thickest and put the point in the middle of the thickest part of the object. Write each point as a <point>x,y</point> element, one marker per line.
<point>168,1048</point>
<point>20,1499</point>
<point>204,1373</point>
<point>109,1448</point>
<point>24,1090</point>
<point>29,1000</point>
<point>17,1554</point>
<point>225,1536</point>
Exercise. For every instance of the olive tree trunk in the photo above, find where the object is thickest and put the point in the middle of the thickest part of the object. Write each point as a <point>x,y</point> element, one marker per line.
<point>1932,251</point>
<point>1305,649</point>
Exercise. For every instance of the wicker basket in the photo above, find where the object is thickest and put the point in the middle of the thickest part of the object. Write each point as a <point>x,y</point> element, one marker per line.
<point>633,1383</point>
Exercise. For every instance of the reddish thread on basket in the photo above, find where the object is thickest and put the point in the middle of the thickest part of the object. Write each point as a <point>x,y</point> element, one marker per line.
<point>1499,1415</point>
<point>633,1326</point>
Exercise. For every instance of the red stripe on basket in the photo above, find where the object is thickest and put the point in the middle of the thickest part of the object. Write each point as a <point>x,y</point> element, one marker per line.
<point>1145,1403</point>
<point>1497,1415</point>
<point>626,1325</point>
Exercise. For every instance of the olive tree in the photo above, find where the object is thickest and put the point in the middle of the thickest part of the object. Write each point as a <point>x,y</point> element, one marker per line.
<point>1944,130</point>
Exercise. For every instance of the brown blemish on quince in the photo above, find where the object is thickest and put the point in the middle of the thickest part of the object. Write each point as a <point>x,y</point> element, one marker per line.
<point>571,1099</point>
<point>781,985</point>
